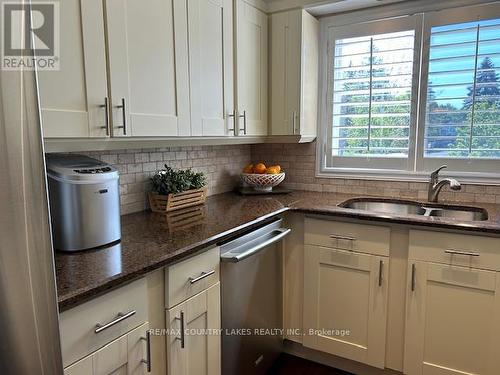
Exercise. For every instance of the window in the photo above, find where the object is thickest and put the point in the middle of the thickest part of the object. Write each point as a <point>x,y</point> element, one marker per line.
<point>372,95</point>
<point>381,119</point>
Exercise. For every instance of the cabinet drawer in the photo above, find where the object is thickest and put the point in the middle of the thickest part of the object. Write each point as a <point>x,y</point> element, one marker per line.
<point>191,276</point>
<point>78,325</point>
<point>455,249</point>
<point>370,239</point>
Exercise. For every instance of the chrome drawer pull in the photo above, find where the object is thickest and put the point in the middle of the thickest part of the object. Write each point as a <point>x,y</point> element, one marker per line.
<point>233,116</point>
<point>147,361</point>
<point>120,317</point>
<point>380,272</point>
<point>244,115</point>
<point>124,115</point>
<point>106,109</point>
<point>203,275</point>
<point>413,277</point>
<point>182,330</point>
<point>340,237</point>
<point>466,253</point>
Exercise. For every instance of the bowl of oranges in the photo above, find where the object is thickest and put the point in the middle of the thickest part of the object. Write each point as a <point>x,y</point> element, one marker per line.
<point>262,178</point>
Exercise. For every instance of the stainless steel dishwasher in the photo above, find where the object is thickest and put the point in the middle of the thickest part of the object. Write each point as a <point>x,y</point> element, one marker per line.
<point>251,281</point>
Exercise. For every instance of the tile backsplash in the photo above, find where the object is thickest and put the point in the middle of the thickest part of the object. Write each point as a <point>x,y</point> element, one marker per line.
<point>299,160</point>
<point>221,165</point>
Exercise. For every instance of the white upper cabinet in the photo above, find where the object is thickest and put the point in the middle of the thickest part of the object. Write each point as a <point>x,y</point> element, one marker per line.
<point>72,99</point>
<point>251,29</point>
<point>294,73</point>
<point>211,66</point>
<point>148,67</point>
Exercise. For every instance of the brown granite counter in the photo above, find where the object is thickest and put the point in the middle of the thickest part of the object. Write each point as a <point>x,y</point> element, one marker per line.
<point>150,241</point>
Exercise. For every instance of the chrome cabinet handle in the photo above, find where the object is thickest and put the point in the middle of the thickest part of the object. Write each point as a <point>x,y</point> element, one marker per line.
<point>124,115</point>
<point>106,114</point>
<point>182,329</point>
<point>244,115</point>
<point>233,115</point>
<point>413,277</point>
<point>119,317</point>
<point>203,275</point>
<point>458,252</point>
<point>338,237</point>
<point>147,361</point>
<point>380,270</point>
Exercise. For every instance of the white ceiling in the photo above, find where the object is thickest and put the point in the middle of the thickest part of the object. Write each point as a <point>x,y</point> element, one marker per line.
<point>322,7</point>
<point>340,6</point>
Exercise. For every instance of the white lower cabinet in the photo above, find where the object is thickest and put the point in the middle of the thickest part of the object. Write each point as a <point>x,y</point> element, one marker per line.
<point>123,356</point>
<point>345,303</point>
<point>452,304</point>
<point>193,344</point>
<point>453,320</point>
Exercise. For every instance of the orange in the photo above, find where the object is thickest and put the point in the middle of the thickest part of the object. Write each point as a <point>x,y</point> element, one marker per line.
<point>278,168</point>
<point>248,169</point>
<point>259,168</point>
<point>272,170</point>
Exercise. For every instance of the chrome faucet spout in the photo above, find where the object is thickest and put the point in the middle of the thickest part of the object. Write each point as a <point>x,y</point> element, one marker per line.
<point>435,185</point>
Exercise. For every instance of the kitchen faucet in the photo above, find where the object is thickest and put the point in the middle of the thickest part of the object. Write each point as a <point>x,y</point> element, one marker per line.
<point>435,185</point>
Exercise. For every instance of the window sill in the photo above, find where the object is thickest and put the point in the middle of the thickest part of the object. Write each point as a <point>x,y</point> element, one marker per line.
<point>405,176</point>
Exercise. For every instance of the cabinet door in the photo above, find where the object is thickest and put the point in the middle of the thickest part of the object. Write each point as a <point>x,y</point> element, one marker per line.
<point>72,98</point>
<point>137,351</point>
<point>251,69</point>
<point>294,73</point>
<point>285,69</point>
<point>148,65</point>
<point>210,66</point>
<point>82,367</point>
<point>345,304</point>
<point>112,358</point>
<point>452,320</point>
<point>195,352</point>
<point>123,356</point>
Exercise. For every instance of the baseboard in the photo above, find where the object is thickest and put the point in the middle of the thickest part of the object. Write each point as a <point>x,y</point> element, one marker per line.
<point>326,359</point>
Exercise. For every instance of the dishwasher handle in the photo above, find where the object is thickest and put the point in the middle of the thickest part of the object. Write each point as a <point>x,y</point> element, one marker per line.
<point>234,258</point>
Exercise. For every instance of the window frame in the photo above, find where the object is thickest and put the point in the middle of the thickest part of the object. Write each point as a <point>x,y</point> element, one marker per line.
<point>374,27</point>
<point>417,167</point>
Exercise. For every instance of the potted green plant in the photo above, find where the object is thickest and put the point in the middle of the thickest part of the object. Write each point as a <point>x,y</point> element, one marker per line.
<point>174,189</point>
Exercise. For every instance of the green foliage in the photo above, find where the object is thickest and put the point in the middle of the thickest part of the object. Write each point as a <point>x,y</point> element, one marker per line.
<point>380,126</point>
<point>173,181</point>
<point>485,118</point>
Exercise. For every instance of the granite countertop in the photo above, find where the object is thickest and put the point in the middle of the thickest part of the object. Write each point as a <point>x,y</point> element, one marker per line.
<point>151,240</point>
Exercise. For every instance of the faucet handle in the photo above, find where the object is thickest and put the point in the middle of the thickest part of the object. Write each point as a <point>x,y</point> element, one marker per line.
<point>436,172</point>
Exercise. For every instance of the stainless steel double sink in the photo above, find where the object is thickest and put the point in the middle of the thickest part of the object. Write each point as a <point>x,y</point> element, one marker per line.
<point>407,207</point>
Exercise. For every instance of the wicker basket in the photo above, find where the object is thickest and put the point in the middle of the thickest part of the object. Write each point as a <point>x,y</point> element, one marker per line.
<point>263,182</point>
<point>172,202</point>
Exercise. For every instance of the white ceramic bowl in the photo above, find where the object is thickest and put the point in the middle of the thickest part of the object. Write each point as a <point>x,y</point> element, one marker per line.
<point>263,182</point>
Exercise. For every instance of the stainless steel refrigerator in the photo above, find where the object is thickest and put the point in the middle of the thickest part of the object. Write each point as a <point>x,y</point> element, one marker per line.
<point>29,333</point>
